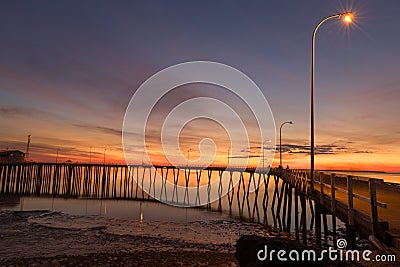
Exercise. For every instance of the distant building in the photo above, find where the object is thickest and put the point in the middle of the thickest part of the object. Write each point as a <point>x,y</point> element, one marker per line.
<point>11,156</point>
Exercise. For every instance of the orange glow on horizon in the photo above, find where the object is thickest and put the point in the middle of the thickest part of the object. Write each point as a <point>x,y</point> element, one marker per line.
<point>343,161</point>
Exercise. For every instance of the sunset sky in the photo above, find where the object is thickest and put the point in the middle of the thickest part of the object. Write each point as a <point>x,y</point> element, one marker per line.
<point>68,70</point>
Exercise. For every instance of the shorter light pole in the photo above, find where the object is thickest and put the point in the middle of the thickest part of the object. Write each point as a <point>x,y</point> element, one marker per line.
<point>104,156</point>
<point>90,155</point>
<point>280,141</point>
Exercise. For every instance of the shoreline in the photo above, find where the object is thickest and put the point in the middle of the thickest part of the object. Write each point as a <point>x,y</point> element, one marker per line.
<point>44,238</point>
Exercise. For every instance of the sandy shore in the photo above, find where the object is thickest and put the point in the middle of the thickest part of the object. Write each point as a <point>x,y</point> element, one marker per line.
<point>165,258</point>
<point>42,238</point>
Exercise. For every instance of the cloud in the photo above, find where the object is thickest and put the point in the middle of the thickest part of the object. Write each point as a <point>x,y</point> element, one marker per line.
<point>300,149</point>
<point>305,149</point>
<point>12,112</point>
<point>39,148</point>
<point>101,129</point>
<point>13,145</point>
<point>244,156</point>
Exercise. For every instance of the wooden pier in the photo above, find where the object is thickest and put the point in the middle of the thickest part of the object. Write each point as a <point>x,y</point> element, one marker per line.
<point>334,196</point>
<point>278,197</point>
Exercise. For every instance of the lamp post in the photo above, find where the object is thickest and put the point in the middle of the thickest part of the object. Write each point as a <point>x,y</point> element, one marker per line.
<point>104,156</point>
<point>347,18</point>
<point>280,141</point>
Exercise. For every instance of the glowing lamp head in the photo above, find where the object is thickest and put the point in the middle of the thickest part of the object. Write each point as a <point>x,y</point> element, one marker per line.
<point>348,17</point>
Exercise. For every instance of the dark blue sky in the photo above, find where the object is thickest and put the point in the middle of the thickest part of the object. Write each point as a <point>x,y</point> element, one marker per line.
<point>68,63</point>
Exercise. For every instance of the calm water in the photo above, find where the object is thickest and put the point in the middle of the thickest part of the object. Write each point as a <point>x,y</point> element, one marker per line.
<point>122,209</point>
<point>243,206</point>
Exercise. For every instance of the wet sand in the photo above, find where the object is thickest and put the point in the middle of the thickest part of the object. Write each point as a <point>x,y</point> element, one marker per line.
<point>43,238</point>
<point>136,258</point>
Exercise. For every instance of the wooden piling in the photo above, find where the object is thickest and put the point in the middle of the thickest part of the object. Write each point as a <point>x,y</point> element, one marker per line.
<point>296,214</point>
<point>350,206</point>
<point>334,236</point>
<point>374,207</point>
<point>318,224</point>
<point>325,224</point>
<point>285,204</point>
<point>289,210</point>
<point>303,217</point>
<point>350,237</point>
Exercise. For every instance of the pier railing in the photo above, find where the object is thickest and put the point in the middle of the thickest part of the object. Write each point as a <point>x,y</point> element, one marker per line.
<point>335,195</point>
<point>331,202</point>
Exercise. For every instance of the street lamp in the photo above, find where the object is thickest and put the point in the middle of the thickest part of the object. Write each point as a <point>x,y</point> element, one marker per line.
<point>280,141</point>
<point>347,18</point>
<point>104,156</point>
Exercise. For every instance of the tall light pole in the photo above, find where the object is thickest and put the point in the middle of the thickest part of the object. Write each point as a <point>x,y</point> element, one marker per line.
<point>104,156</point>
<point>280,141</point>
<point>347,18</point>
<point>90,155</point>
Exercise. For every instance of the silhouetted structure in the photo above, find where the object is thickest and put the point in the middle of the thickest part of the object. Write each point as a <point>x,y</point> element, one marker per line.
<point>11,156</point>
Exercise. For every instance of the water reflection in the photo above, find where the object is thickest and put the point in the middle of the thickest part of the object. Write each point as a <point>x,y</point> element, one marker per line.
<point>122,209</point>
<point>141,213</point>
<point>9,201</point>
